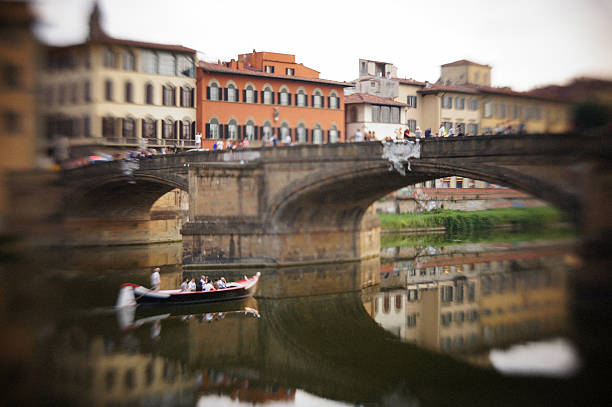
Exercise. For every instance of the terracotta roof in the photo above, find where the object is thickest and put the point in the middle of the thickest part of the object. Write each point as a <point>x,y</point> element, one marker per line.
<point>463,62</point>
<point>141,44</point>
<point>371,99</point>
<point>479,89</point>
<point>211,67</point>
<point>409,81</point>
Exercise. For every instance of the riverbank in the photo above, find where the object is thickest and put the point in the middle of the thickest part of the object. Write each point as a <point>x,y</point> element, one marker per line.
<point>464,221</point>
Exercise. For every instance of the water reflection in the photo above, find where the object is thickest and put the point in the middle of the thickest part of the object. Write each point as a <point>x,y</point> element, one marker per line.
<point>465,302</point>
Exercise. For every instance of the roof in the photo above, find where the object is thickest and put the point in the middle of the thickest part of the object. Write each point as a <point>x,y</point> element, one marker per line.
<point>211,67</point>
<point>462,62</point>
<point>434,88</point>
<point>356,98</point>
<point>141,44</point>
<point>479,89</point>
<point>410,81</point>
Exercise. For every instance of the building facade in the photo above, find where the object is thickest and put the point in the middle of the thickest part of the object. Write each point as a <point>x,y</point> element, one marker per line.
<point>107,94</point>
<point>373,116</point>
<point>260,96</point>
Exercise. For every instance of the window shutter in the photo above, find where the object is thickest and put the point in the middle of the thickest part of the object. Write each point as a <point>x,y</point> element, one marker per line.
<point>278,98</point>
<point>225,93</point>
<point>239,130</point>
<point>163,130</point>
<point>296,134</point>
<point>226,131</point>
<point>155,128</point>
<point>290,133</point>
<point>306,132</point>
<point>208,93</point>
<point>193,128</point>
<point>180,129</point>
<point>312,100</point>
<point>261,132</point>
<point>306,100</point>
<point>255,96</point>
<point>255,134</point>
<point>339,134</point>
<point>289,98</point>
<point>272,96</point>
<point>243,95</point>
<point>207,131</point>
<point>329,101</point>
<point>181,98</point>
<point>142,128</point>
<point>192,98</point>
<point>328,134</point>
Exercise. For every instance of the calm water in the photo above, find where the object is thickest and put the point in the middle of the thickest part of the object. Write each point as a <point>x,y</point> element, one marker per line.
<point>434,321</point>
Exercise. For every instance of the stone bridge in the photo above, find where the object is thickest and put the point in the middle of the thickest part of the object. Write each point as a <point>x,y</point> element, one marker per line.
<point>310,203</point>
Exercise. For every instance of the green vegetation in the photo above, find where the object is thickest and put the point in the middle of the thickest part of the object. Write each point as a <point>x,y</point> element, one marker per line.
<point>463,221</point>
<point>475,236</point>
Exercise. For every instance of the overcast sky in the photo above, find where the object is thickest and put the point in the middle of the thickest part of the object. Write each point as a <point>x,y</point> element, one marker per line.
<point>527,42</point>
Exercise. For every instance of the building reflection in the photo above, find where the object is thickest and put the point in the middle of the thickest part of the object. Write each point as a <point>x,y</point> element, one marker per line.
<point>466,304</point>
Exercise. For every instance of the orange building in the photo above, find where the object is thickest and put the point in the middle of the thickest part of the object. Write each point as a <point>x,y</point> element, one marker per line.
<point>264,94</point>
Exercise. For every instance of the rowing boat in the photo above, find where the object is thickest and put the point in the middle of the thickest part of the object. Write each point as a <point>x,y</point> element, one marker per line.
<point>134,294</point>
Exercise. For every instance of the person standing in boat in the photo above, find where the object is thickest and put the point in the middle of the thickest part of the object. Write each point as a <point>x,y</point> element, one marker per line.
<point>155,279</point>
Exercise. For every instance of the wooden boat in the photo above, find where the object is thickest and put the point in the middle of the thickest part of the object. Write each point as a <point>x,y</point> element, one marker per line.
<point>134,294</point>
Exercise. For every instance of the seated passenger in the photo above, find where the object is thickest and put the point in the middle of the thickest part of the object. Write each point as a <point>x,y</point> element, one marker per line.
<point>192,285</point>
<point>221,283</point>
<point>208,286</point>
<point>185,285</point>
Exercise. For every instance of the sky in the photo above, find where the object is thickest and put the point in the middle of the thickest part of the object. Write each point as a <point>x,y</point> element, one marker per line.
<point>528,43</point>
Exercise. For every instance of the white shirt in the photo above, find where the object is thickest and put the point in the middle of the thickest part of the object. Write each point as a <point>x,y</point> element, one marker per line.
<point>192,286</point>
<point>155,278</point>
<point>208,287</point>
<point>198,139</point>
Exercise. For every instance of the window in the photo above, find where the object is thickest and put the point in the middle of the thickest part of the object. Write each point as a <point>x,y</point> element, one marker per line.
<point>86,126</point>
<point>167,64</point>
<point>267,131</point>
<point>353,114</point>
<point>412,101</point>
<point>186,132</point>
<point>317,99</point>
<point>385,112</point>
<point>128,61</point>
<point>12,121</point>
<point>212,129</point>
<point>62,95</point>
<point>302,135</point>
<point>128,92</point>
<point>376,114</point>
<point>168,129</point>
<point>168,95</point>
<point>447,125</point>
<point>185,66</point>
<point>10,76</point>
<point>87,91</point>
<point>149,94</point>
<point>488,109</point>
<point>446,318</point>
<point>334,101</point>
<point>231,93</point>
<point>285,135</point>
<point>213,92</point>
<point>501,110</point>
<point>460,103</point>
<point>268,97</point>
<point>108,58</point>
<point>301,98</point>
<point>289,71</point>
<point>473,104</point>
<point>514,111</point>
<point>333,134</point>
<point>108,127</point>
<point>284,97</point>
<point>149,61</point>
<point>129,128</point>
<point>108,90</point>
<point>232,130</point>
<point>460,128</point>
<point>317,135</point>
<point>250,130</point>
<point>186,96</point>
<point>447,293</point>
<point>447,102</point>
<point>73,93</point>
<point>149,129</point>
<point>269,69</point>
<point>412,125</point>
<point>395,115</point>
<point>249,94</point>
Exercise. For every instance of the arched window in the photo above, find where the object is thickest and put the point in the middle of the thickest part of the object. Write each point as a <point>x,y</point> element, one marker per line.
<point>301,133</point>
<point>187,96</point>
<point>212,129</point>
<point>149,94</point>
<point>149,61</point>
<point>334,100</point>
<point>232,130</point>
<point>333,134</point>
<point>186,129</point>
<point>268,96</point>
<point>109,58</point>
<point>249,94</point>
<point>168,95</point>
<point>284,97</point>
<point>149,129</point>
<point>167,64</point>
<point>213,91</point>
<point>108,90</point>
<point>128,127</point>
<point>249,130</point>
<point>301,98</point>
<point>108,127</point>
<point>128,61</point>
<point>267,131</point>
<point>285,133</point>
<point>168,129</point>
<point>317,99</point>
<point>128,92</point>
<point>232,93</point>
<point>317,135</point>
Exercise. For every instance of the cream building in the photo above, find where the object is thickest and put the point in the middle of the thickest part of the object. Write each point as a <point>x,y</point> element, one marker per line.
<point>108,94</point>
<point>374,116</point>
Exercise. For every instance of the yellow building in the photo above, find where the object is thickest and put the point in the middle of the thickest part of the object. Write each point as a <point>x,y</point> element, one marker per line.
<point>108,94</point>
<point>18,129</point>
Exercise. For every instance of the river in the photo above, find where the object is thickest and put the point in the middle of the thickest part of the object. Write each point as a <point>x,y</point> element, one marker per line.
<point>435,321</point>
